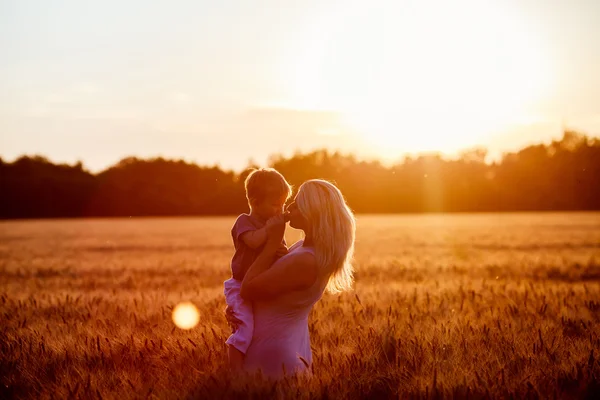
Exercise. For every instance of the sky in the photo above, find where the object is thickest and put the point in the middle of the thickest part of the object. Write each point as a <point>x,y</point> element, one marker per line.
<point>233,81</point>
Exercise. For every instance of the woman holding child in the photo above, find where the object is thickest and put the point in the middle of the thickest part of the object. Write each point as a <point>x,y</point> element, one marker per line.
<point>271,297</point>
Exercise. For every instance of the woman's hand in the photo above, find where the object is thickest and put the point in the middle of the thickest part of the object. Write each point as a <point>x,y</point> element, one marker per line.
<point>275,229</point>
<point>232,321</point>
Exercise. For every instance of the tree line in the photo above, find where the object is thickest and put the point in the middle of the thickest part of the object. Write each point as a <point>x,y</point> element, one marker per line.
<point>563,175</point>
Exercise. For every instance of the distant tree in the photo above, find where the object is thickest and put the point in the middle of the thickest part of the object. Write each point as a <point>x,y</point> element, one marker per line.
<point>33,187</point>
<point>564,175</point>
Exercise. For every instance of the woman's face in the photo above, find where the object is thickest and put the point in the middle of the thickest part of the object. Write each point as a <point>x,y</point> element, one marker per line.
<point>296,219</point>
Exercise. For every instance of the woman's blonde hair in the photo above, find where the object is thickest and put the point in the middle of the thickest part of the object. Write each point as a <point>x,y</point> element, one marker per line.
<point>332,227</point>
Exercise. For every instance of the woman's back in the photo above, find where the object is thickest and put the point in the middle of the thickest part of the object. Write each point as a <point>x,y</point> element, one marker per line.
<point>281,328</point>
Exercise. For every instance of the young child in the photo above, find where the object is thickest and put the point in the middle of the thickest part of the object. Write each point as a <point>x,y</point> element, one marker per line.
<point>266,191</point>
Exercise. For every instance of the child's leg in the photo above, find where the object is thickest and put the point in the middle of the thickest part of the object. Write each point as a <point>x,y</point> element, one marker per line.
<point>242,336</point>
<point>236,359</point>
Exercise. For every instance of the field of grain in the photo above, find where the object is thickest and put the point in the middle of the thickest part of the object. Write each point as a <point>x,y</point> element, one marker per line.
<point>488,305</point>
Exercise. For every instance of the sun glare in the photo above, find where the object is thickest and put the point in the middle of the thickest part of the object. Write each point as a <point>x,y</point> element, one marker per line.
<point>186,315</point>
<point>420,76</point>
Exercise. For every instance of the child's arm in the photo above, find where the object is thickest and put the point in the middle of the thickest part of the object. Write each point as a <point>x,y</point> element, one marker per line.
<point>254,239</point>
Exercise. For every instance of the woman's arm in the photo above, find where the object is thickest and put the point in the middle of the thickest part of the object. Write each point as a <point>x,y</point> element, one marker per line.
<point>295,272</point>
<point>261,264</point>
<point>290,273</point>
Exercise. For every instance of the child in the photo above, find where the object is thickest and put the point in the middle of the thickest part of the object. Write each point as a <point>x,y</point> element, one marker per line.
<point>266,191</point>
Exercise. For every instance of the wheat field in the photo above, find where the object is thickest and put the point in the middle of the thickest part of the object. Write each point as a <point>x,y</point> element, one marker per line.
<point>462,306</point>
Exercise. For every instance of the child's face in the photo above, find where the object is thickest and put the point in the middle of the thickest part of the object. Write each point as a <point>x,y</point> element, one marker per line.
<point>269,206</point>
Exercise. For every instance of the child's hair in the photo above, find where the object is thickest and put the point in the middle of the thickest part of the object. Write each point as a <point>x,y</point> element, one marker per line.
<point>264,182</point>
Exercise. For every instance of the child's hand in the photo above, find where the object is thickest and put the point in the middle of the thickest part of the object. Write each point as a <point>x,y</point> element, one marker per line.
<point>275,228</point>
<point>281,251</point>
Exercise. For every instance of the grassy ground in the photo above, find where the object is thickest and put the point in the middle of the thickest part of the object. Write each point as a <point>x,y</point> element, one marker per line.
<point>463,305</point>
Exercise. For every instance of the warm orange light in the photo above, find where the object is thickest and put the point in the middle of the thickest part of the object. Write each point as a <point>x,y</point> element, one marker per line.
<point>420,77</point>
<point>186,315</point>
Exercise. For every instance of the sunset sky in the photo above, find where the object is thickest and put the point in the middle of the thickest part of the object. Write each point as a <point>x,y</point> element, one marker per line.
<point>230,80</point>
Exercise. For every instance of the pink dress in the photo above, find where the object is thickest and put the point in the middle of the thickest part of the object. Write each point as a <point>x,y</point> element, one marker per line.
<point>281,328</point>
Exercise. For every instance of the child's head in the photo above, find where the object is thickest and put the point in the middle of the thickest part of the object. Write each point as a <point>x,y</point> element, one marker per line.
<point>267,191</point>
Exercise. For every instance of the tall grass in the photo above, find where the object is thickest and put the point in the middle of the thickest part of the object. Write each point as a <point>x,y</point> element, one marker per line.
<point>474,306</point>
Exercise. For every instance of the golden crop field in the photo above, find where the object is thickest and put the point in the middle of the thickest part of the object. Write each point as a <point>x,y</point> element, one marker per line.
<point>482,305</point>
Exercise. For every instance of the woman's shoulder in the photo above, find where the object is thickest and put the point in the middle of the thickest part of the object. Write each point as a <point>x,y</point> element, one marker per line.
<point>302,255</point>
<point>300,265</point>
<point>299,243</point>
<point>299,246</point>
<point>298,249</point>
<point>299,253</point>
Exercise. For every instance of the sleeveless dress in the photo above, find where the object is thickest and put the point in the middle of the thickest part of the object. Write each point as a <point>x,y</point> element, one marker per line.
<point>281,335</point>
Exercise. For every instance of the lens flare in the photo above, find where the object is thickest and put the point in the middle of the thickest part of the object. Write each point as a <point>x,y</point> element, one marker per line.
<point>186,315</point>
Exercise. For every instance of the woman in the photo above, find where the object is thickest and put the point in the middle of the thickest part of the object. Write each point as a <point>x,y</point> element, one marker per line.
<point>284,293</point>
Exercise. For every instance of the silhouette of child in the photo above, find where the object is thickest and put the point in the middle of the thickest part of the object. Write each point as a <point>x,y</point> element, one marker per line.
<point>266,191</point>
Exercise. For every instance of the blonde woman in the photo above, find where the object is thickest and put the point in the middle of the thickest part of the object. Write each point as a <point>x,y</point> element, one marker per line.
<point>284,292</point>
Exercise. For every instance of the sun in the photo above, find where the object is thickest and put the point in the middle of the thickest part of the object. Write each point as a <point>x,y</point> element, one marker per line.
<point>186,315</point>
<point>420,76</point>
